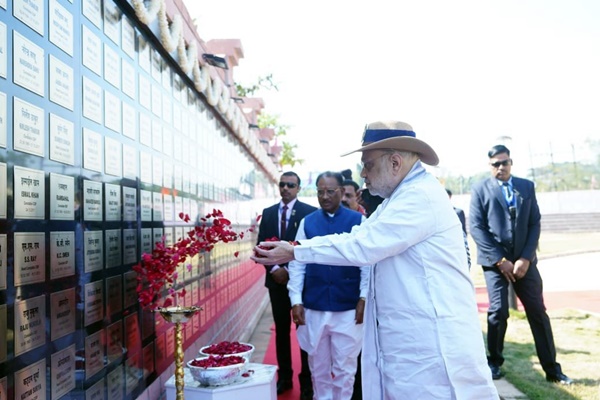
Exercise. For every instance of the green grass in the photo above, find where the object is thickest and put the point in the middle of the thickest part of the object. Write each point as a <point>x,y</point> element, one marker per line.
<point>576,334</point>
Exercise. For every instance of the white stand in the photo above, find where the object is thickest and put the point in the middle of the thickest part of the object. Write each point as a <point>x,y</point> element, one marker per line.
<point>259,385</point>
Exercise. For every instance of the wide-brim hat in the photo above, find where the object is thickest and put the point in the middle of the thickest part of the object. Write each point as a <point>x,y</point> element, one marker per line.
<point>395,135</point>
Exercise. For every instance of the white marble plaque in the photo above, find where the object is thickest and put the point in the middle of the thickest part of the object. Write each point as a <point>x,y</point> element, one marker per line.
<point>129,121</point>
<point>178,205</point>
<point>112,156</point>
<point>128,79</point>
<point>28,64</point>
<point>93,250</point>
<point>92,11</point>
<point>92,50</point>
<point>157,207</point>
<point>30,251</point>
<point>186,206</point>
<point>157,236</point>
<point>115,383</point>
<point>145,129</point>
<point>61,27</point>
<point>129,203</point>
<point>168,207</point>
<point>130,162</point>
<point>3,190</point>
<point>145,95</point>
<point>92,150</point>
<point>3,121</point>
<point>92,200</point>
<point>156,100</point>
<point>114,341</point>
<point>168,175</point>
<point>157,135</point>
<point>129,246</point>
<point>145,205</point>
<point>166,77</point>
<point>62,367</point>
<point>114,253</point>
<point>146,167</point>
<point>61,83</point>
<point>128,37</point>
<point>146,245</point>
<point>62,254</point>
<point>112,66</point>
<point>3,266</point>
<point>96,392</point>
<point>114,291</point>
<point>30,323</point>
<point>3,50</point>
<point>167,147</point>
<point>94,353</point>
<point>177,117</point>
<point>62,197</point>
<point>29,193</point>
<point>167,111</point>
<point>31,13</point>
<point>112,199</point>
<point>112,112</point>
<point>62,140</point>
<point>112,21</point>
<point>92,100</point>
<point>133,371</point>
<point>94,309</point>
<point>3,348</point>
<point>157,171</point>
<point>30,382</point>
<point>130,282</point>
<point>62,313</point>
<point>156,60</point>
<point>148,359</point>
<point>29,128</point>
<point>143,53</point>
<point>178,177</point>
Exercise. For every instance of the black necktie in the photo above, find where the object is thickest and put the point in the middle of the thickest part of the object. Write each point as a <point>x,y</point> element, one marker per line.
<point>283,222</point>
<point>508,193</point>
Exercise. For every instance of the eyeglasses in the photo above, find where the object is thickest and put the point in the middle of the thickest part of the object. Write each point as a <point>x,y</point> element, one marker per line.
<point>290,185</point>
<point>329,192</point>
<point>367,165</point>
<point>504,163</point>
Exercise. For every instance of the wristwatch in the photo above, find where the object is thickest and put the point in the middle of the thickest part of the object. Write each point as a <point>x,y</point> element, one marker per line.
<point>499,263</point>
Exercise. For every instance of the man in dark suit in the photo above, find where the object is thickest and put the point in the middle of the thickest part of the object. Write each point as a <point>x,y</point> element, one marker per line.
<point>505,224</point>
<point>281,220</point>
<point>459,212</point>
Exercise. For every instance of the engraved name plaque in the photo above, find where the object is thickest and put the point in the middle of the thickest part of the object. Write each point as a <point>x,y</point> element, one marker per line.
<point>93,250</point>
<point>114,290</point>
<point>62,197</point>
<point>61,83</point>
<point>62,254</point>
<point>94,308</point>
<point>112,199</point>
<point>30,382</point>
<point>29,128</point>
<point>62,140</point>
<point>30,251</point>
<point>113,247</point>
<point>94,353</point>
<point>129,203</point>
<point>30,323</point>
<point>129,246</point>
<point>62,367</point>
<point>62,313</point>
<point>92,200</point>
<point>28,64</point>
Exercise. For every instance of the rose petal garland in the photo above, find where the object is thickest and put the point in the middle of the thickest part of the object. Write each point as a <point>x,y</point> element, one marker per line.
<point>158,271</point>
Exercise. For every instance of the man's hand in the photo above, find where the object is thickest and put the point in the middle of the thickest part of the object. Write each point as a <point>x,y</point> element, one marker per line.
<point>507,268</point>
<point>281,276</point>
<point>271,253</point>
<point>520,268</point>
<point>298,314</point>
<point>360,311</point>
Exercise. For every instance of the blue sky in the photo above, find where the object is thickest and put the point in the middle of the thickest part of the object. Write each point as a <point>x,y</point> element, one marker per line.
<point>462,73</point>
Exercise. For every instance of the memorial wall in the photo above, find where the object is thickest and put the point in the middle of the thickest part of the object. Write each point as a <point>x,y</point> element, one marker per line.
<point>104,140</point>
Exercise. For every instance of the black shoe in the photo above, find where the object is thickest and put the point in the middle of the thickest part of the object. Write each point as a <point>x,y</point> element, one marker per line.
<point>496,372</point>
<point>284,385</point>
<point>559,378</point>
<point>306,394</point>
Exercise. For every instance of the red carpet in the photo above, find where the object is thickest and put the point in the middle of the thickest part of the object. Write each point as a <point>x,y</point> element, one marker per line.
<point>271,358</point>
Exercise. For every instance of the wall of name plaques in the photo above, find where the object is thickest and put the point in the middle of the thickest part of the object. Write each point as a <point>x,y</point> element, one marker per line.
<point>103,143</point>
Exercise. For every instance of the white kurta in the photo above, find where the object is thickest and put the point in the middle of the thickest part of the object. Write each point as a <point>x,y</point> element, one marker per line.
<point>422,334</point>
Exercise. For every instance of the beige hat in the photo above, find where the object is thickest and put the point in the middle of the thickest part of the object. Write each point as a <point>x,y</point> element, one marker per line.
<point>398,136</point>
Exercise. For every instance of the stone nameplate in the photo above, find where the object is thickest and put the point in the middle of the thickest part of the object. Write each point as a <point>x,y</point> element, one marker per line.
<point>130,162</point>
<point>62,197</point>
<point>129,246</point>
<point>130,295</point>
<point>112,112</point>
<point>62,254</point>
<point>157,206</point>
<point>92,100</point>
<point>3,340</point>
<point>61,27</point>
<point>94,353</point>
<point>113,157</point>
<point>93,250</point>
<point>129,121</point>
<point>28,64</point>
<point>128,37</point>
<point>146,245</point>
<point>112,21</point>
<point>62,313</point>
<point>92,11</point>
<point>114,341</point>
<point>3,187</point>
<point>96,392</point>
<point>29,253</point>
<point>128,79</point>
<point>92,200</point>
<point>114,290</point>
<point>3,50</point>
<point>129,203</point>
<point>112,66</point>
<point>145,167</point>
<point>30,382</point>
<point>3,121</point>
<point>29,128</point>
<point>3,264</point>
<point>94,303</point>
<point>29,193</point>
<point>115,383</point>
<point>113,248</point>
<point>112,199</point>
<point>61,83</point>
<point>62,140</point>
<point>146,205</point>
<point>62,375</point>
<point>30,324</point>
<point>31,13</point>
<point>92,50</point>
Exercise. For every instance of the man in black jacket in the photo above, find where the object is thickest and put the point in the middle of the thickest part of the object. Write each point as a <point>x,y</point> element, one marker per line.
<point>281,221</point>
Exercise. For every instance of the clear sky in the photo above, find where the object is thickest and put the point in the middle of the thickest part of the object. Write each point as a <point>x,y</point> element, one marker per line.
<point>463,73</point>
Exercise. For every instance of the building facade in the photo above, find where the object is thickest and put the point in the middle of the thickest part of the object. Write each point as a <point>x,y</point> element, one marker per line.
<point>112,123</point>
